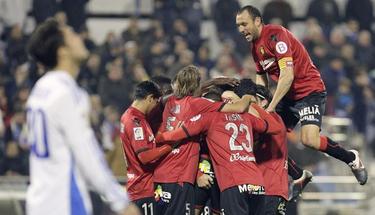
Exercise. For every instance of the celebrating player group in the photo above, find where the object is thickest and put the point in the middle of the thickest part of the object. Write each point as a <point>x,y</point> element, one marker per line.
<point>224,144</point>
<point>220,144</point>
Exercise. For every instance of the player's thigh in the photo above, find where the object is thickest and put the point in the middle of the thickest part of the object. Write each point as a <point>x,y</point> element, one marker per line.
<point>311,109</point>
<point>256,204</point>
<point>310,135</point>
<point>147,206</point>
<point>288,113</point>
<point>275,205</point>
<point>234,202</point>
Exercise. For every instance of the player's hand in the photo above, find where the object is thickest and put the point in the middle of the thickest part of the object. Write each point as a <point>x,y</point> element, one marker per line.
<point>225,80</point>
<point>270,109</point>
<point>132,209</point>
<point>205,181</point>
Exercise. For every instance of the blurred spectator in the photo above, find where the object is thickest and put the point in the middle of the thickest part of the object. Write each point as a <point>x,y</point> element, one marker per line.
<point>351,30</point>
<point>224,67</point>
<point>336,41</point>
<point>185,58</point>
<point>370,117</point>
<point>361,82</point>
<point>90,74</point>
<point>75,11</point>
<point>202,59</point>
<point>326,12</point>
<point>225,17</point>
<point>360,10</point>
<point>42,9</point>
<point>365,52</point>
<point>15,159</point>
<point>278,9</point>
<point>132,32</point>
<point>139,73</point>
<point>7,14</point>
<point>332,75</point>
<point>61,18</point>
<point>344,99</point>
<point>131,54</point>
<point>115,88</point>
<point>96,115</point>
<point>85,35</point>
<point>16,43</point>
<point>348,55</point>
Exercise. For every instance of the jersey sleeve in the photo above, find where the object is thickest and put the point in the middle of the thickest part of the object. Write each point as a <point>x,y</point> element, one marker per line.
<point>138,136</point>
<point>203,105</point>
<point>195,125</point>
<point>86,154</point>
<point>258,124</point>
<point>282,47</point>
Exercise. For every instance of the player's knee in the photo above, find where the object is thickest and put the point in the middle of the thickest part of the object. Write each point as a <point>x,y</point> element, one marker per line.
<point>310,140</point>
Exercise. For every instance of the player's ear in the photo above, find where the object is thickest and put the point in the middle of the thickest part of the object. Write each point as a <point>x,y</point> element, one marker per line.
<point>149,98</point>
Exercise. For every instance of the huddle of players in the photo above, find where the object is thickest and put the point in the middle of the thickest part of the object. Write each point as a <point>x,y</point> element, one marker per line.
<point>244,144</point>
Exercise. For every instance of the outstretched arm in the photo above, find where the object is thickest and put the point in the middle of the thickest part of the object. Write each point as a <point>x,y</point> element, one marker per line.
<point>153,154</point>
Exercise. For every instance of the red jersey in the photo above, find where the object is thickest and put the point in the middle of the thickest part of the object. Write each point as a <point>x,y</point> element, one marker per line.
<point>277,46</point>
<point>181,165</point>
<point>230,142</point>
<point>272,154</point>
<point>136,136</point>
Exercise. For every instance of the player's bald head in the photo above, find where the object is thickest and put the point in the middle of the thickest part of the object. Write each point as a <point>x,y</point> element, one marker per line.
<point>251,11</point>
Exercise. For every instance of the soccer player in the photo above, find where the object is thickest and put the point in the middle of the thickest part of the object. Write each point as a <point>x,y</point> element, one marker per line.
<point>271,154</point>
<point>65,156</point>
<point>230,142</point>
<point>175,175</point>
<point>300,93</point>
<point>139,146</point>
<point>206,187</point>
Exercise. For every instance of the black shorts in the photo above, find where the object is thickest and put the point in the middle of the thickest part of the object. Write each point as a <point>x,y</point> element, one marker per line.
<point>308,110</point>
<point>147,205</point>
<point>233,201</point>
<point>202,196</point>
<point>275,205</point>
<point>174,199</point>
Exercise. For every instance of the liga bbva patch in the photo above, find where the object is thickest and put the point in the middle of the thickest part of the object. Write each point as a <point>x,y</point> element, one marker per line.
<point>281,47</point>
<point>138,133</point>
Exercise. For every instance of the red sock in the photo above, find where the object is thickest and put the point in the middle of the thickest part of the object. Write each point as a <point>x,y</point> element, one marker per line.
<point>323,143</point>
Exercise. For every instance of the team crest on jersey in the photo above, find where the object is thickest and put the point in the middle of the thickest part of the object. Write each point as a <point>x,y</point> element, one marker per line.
<point>138,133</point>
<point>281,47</point>
<point>261,50</point>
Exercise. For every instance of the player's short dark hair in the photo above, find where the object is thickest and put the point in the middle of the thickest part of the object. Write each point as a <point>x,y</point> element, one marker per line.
<point>264,93</point>
<point>146,88</point>
<point>164,83</point>
<point>214,93</point>
<point>44,42</point>
<point>253,11</point>
<point>246,87</point>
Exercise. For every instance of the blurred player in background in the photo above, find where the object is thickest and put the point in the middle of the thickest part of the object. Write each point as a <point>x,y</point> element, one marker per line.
<point>300,93</point>
<point>65,156</point>
<point>139,146</point>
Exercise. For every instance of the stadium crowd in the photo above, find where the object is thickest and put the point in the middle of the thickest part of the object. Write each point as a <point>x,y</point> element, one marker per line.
<point>341,46</point>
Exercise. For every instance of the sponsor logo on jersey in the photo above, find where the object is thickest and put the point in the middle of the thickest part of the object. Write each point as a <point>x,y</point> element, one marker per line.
<point>309,113</point>
<point>130,176</point>
<point>281,47</point>
<point>252,189</point>
<point>267,63</point>
<point>138,133</point>
<point>239,157</point>
<point>176,151</point>
<point>162,195</point>
<point>151,138</point>
<point>195,118</point>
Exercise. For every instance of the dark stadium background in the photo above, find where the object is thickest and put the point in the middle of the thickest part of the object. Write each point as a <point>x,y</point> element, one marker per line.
<point>133,40</point>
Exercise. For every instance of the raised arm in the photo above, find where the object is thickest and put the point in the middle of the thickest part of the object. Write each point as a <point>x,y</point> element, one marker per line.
<point>273,126</point>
